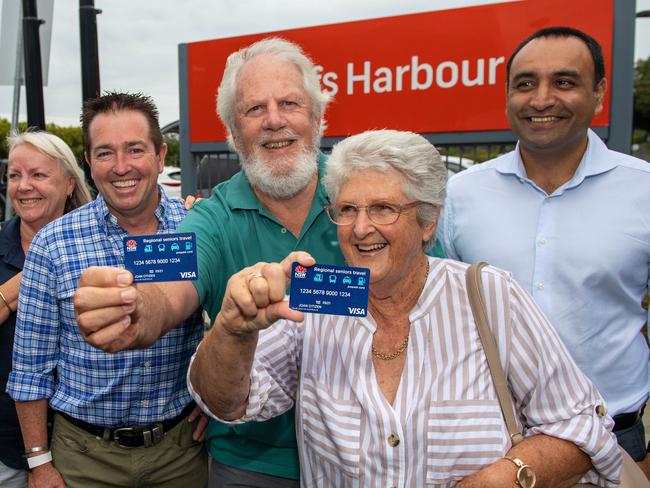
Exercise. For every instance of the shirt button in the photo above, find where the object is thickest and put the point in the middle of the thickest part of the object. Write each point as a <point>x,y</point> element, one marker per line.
<point>145,403</point>
<point>393,440</point>
<point>601,410</point>
<point>283,230</point>
<point>540,286</point>
<point>542,241</point>
<point>147,364</point>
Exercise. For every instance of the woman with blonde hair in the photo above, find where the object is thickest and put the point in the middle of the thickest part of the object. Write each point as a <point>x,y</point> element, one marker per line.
<point>44,181</point>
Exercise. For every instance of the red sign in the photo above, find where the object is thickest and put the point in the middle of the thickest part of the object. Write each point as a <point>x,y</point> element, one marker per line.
<point>441,71</point>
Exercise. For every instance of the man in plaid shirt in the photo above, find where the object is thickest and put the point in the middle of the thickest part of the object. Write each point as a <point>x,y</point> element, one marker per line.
<point>105,402</point>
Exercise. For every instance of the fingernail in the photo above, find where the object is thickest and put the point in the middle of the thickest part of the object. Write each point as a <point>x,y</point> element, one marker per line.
<point>126,321</point>
<point>124,279</point>
<point>128,295</point>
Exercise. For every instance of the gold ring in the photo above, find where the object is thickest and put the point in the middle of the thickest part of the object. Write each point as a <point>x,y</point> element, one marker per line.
<point>254,274</point>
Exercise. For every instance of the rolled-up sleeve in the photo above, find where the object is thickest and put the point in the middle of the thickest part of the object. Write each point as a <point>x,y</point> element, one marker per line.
<point>551,393</point>
<point>274,374</point>
<point>36,342</point>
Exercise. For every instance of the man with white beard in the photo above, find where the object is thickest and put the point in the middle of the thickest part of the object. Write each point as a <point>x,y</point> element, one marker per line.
<point>272,106</point>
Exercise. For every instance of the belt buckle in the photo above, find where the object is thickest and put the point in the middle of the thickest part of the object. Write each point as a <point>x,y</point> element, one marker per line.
<point>151,436</point>
<point>116,436</point>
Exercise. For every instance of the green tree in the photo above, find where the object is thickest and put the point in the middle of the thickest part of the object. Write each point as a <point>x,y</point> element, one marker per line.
<point>72,136</point>
<point>173,150</point>
<point>5,127</point>
<point>642,95</point>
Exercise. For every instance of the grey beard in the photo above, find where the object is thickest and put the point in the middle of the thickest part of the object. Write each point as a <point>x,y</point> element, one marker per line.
<point>282,187</point>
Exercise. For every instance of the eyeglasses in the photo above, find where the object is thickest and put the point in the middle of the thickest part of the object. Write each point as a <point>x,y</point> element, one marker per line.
<point>131,153</point>
<point>378,213</point>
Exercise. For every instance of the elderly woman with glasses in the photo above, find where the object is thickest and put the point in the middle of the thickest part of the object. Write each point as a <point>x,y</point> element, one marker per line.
<point>402,397</point>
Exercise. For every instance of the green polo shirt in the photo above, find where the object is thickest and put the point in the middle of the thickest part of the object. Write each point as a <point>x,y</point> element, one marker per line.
<point>234,230</point>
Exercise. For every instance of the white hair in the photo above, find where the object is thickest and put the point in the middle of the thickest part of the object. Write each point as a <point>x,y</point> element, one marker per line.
<point>424,176</point>
<point>282,49</point>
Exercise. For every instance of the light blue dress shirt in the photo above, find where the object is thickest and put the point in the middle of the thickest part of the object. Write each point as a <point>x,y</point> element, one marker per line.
<point>583,252</point>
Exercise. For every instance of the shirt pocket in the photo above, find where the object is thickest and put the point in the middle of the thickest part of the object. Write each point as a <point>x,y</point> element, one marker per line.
<point>463,436</point>
<point>331,428</point>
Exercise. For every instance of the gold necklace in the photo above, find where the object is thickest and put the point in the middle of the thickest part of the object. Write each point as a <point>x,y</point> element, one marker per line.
<point>403,345</point>
<point>392,355</point>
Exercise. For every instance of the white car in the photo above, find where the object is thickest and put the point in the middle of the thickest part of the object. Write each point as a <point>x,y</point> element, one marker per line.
<point>170,180</point>
<point>456,164</point>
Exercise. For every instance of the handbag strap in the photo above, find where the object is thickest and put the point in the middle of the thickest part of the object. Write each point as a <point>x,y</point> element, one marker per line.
<point>477,302</point>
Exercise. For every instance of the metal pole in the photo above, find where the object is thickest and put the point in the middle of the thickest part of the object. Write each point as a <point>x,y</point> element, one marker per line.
<point>90,85</point>
<point>15,108</point>
<point>622,82</point>
<point>33,70</point>
<point>89,49</point>
<point>18,81</point>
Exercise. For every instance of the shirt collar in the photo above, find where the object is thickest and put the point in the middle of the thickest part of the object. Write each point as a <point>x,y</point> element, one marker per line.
<point>595,160</point>
<point>105,215</point>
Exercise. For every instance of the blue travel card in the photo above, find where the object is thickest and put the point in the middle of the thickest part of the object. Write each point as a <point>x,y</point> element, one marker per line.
<point>161,257</point>
<point>325,288</point>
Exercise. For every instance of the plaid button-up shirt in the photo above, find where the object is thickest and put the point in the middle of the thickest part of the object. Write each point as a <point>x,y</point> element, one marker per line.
<point>51,359</point>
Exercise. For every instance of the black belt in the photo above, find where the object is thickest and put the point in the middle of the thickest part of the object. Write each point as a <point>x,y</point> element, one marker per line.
<point>626,420</point>
<point>136,436</point>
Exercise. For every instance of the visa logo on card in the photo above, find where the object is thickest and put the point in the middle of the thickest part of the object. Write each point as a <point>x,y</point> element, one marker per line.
<point>161,257</point>
<point>329,289</point>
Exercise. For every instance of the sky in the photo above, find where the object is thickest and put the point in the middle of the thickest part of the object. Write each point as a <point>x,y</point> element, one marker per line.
<point>138,41</point>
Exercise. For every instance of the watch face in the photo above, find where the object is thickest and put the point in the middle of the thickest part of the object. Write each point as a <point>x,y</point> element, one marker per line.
<point>526,477</point>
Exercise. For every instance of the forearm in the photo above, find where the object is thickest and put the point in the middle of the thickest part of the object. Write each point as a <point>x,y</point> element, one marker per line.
<point>33,422</point>
<point>9,290</point>
<point>221,370</point>
<point>556,462</point>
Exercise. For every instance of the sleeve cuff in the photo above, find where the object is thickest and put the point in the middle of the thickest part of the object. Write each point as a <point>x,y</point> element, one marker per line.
<point>25,387</point>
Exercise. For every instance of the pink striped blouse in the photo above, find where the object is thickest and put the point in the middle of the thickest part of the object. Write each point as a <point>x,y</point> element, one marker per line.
<point>445,422</point>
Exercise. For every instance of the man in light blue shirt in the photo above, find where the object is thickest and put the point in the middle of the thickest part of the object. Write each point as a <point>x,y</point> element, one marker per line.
<point>568,217</point>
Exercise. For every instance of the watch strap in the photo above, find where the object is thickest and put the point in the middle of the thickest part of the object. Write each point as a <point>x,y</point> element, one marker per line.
<point>36,461</point>
<point>518,462</point>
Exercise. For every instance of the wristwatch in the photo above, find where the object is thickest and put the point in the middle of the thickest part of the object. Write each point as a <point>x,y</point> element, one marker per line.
<point>525,475</point>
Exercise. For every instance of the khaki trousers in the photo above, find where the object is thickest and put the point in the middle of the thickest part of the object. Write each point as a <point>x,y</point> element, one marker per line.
<point>87,461</point>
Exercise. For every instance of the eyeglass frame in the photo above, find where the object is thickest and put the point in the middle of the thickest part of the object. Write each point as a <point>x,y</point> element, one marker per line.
<point>400,208</point>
